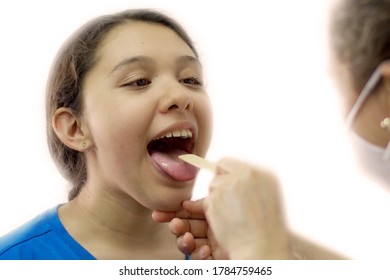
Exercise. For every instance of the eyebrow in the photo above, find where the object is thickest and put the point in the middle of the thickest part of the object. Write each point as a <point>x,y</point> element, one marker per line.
<point>189,59</point>
<point>144,59</point>
<point>131,60</point>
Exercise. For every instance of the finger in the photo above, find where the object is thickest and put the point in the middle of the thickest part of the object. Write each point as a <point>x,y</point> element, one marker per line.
<point>162,217</point>
<point>198,228</point>
<point>227,165</point>
<point>202,253</point>
<point>226,168</point>
<point>220,180</point>
<point>194,207</point>
<point>186,243</point>
<point>189,245</point>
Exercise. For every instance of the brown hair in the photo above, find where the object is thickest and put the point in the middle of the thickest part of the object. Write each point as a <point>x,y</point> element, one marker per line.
<point>64,88</point>
<point>360,31</point>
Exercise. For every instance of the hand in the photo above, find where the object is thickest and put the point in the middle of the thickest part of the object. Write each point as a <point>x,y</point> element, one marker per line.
<point>244,212</point>
<point>241,218</point>
<point>194,235</point>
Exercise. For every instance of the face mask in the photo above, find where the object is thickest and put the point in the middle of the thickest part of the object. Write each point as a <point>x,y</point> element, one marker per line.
<point>373,159</point>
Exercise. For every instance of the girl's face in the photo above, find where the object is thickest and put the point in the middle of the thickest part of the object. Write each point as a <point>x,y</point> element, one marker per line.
<point>145,104</point>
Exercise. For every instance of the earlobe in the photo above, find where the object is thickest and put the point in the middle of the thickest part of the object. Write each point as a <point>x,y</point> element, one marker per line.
<point>69,130</point>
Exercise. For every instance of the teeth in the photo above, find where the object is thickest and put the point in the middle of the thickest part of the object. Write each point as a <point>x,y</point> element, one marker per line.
<point>184,133</point>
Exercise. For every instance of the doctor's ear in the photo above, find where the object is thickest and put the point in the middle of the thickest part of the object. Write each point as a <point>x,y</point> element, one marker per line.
<point>70,130</point>
<point>385,69</point>
<point>385,73</point>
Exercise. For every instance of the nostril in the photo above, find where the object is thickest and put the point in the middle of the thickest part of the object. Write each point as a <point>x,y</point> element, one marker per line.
<point>173,107</point>
<point>176,102</point>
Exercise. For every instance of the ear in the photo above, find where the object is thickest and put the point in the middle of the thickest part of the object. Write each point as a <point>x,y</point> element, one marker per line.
<point>385,72</point>
<point>385,69</point>
<point>70,130</point>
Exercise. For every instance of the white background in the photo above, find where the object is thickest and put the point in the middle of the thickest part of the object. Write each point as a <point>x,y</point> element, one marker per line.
<point>274,105</point>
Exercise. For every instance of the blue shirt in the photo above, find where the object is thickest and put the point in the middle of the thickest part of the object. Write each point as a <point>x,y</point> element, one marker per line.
<point>42,238</point>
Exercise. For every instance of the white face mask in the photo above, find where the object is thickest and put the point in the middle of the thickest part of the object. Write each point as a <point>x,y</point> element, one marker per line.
<point>373,159</point>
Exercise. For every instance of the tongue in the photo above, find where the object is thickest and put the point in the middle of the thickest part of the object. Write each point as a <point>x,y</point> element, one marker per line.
<point>174,167</point>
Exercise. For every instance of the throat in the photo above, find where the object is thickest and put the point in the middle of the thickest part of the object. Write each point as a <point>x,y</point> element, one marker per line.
<point>91,212</point>
<point>138,238</point>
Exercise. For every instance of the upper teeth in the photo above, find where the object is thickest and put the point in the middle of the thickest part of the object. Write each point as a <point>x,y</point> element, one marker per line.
<point>184,133</point>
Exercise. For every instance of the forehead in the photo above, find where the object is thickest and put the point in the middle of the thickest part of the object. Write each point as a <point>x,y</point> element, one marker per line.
<point>135,38</point>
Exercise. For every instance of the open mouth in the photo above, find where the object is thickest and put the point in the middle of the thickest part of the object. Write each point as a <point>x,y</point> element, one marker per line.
<point>165,150</point>
<point>173,141</point>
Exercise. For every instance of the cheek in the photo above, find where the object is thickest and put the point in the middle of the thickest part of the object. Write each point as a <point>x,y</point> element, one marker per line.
<point>342,82</point>
<point>116,144</point>
<point>118,130</point>
<point>345,91</point>
<point>205,122</point>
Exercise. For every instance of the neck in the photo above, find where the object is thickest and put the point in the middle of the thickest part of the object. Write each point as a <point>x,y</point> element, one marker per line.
<point>116,224</point>
<point>120,212</point>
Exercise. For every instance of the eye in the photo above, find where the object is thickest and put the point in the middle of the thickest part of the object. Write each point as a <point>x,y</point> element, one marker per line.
<point>138,83</point>
<point>192,81</point>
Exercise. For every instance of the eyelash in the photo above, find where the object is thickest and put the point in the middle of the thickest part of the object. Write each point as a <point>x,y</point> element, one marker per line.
<point>134,83</point>
<point>192,81</point>
<point>195,81</point>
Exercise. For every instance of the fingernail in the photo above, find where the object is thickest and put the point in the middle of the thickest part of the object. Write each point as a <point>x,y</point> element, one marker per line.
<point>203,253</point>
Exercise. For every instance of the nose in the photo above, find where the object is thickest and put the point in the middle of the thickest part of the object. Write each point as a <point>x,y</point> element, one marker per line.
<point>176,97</point>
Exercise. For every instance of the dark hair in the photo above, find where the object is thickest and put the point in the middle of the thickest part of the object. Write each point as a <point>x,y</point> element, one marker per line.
<point>360,34</point>
<point>64,88</point>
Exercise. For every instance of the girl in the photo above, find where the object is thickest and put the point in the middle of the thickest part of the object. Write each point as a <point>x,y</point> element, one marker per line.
<point>125,97</point>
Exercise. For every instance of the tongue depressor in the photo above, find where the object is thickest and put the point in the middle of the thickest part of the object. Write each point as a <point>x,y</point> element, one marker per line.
<point>198,162</point>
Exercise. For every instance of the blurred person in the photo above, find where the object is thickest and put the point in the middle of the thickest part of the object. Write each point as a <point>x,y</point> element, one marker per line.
<point>360,67</point>
<point>242,216</point>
